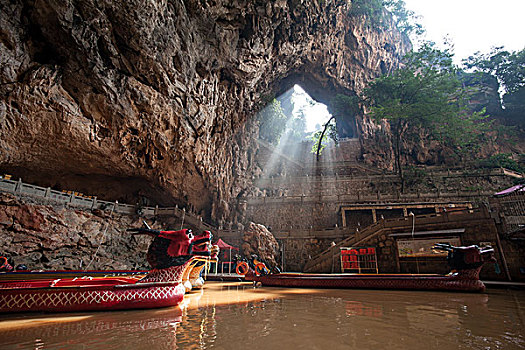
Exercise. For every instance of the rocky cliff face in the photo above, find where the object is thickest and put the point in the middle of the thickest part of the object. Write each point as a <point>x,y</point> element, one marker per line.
<point>53,237</point>
<point>126,99</point>
<point>257,240</point>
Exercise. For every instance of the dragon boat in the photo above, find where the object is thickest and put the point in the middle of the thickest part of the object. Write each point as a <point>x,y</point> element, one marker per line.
<point>170,255</point>
<point>465,262</point>
<point>25,275</point>
<point>193,275</point>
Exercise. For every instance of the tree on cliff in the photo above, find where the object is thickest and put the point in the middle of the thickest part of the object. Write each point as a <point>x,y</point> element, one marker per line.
<point>425,97</point>
<point>405,20</point>
<point>509,69</point>
<point>321,137</point>
<point>341,107</point>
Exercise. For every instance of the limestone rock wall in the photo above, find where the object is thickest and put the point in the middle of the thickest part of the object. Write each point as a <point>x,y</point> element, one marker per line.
<point>154,100</point>
<point>259,241</point>
<point>54,237</point>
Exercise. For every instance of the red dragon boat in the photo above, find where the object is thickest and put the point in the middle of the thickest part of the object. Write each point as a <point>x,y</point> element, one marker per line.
<point>206,253</point>
<point>6,276</point>
<point>465,262</point>
<point>170,254</point>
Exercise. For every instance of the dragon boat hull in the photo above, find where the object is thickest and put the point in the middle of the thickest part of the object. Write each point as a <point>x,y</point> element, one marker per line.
<point>159,288</point>
<point>465,263</point>
<point>171,254</point>
<point>465,282</point>
<point>91,298</point>
<point>54,274</point>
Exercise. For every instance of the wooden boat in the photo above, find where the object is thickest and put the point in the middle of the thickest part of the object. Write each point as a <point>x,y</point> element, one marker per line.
<point>25,275</point>
<point>170,254</point>
<point>195,276</point>
<point>206,252</point>
<point>466,263</point>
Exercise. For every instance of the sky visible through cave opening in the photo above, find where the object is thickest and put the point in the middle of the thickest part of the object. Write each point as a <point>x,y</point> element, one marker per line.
<point>469,25</point>
<point>294,103</point>
<point>316,114</point>
<point>472,25</point>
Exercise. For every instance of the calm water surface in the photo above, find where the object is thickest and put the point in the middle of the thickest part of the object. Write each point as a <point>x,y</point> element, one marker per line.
<point>237,316</point>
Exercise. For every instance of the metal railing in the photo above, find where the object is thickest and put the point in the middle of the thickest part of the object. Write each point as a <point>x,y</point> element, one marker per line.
<point>377,228</point>
<point>78,200</point>
<point>378,197</point>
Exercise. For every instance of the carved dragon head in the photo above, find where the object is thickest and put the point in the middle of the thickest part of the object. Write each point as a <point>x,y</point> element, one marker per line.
<point>465,258</point>
<point>175,248</point>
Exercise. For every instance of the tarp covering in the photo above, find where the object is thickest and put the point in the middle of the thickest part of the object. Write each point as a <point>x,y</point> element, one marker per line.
<point>223,245</point>
<point>517,188</point>
<point>226,255</point>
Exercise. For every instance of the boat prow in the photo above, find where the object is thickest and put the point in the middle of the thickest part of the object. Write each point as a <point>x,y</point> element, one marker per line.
<point>466,263</point>
<point>172,254</point>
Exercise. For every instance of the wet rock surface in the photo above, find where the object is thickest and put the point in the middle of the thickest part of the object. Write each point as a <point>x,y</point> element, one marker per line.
<point>259,241</point>
<point>130,100</point>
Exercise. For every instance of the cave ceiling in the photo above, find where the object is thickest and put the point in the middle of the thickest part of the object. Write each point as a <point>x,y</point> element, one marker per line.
<point>161,95</point>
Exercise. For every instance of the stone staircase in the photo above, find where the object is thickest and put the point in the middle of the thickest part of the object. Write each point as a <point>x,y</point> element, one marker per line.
<point>323,262</point>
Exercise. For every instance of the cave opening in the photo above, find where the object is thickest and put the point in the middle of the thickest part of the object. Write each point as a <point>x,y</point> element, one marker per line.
<point>290,125</point>
<point>291,118</point>
<point>287,127</point>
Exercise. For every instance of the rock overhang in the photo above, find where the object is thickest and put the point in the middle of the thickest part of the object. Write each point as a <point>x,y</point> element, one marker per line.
<point>166,92</point>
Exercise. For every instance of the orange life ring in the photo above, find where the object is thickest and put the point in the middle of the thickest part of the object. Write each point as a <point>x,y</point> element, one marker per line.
<point>242,268</point>
<point>260,268</point>
<point>4,264</point>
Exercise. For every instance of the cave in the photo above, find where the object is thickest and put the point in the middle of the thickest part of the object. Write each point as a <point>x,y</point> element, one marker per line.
<point>159,102</point>
<point>322,92</point>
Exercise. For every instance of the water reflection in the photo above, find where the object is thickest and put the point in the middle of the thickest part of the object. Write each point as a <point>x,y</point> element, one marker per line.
<point>236,316</point>
<point>109,330</point>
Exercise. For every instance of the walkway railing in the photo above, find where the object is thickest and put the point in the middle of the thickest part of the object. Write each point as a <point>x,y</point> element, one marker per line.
<point>386,224</point>
<point>436,172</point>
<point>78,200</point>
<point>361,198</point>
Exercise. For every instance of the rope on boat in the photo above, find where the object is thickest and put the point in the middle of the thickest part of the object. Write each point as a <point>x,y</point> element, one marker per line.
<point>103,235</point>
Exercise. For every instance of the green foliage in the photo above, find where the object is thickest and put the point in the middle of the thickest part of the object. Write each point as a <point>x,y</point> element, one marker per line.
<point>296,128</point>
<point>426,94</point>
<point>415,176</point>
<point>501,160</point>
<point>373,10</point>
<point>321,138</point>
<point>509,69</point>
<point>316,146</point>
<point>342,105</point>
<point>406,20</point>
<point>272,122</point>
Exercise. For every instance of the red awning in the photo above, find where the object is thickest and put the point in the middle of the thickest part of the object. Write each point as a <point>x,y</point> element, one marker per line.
<point>223,245</point>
